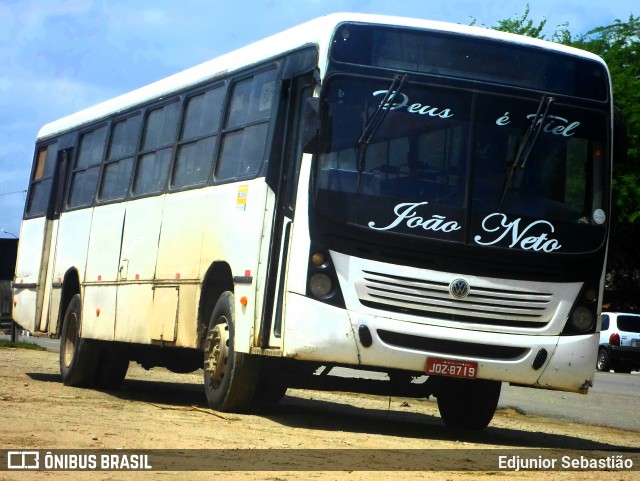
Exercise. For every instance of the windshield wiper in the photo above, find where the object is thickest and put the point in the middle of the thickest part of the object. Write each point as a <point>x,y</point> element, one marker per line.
<point>374,122</point>
<point>383,108</point>
<point>528,141</point>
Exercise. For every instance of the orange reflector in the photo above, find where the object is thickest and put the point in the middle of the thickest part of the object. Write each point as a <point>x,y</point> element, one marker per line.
<point>177,275</point>
<point>243,301</point>
<point>317,259</point>
<point>97,311</point>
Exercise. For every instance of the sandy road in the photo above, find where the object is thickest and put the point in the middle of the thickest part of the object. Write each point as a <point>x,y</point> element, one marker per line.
<point>160,410</point>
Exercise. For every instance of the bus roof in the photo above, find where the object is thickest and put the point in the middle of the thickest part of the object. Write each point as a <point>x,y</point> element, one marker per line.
<point>314,32</point>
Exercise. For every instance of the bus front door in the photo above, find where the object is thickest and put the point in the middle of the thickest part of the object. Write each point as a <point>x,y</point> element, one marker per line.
<point>284,177</point>
<point>49,300</point>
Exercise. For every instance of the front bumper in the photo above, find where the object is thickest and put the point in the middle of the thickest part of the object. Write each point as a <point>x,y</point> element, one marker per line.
<point>318,332</point>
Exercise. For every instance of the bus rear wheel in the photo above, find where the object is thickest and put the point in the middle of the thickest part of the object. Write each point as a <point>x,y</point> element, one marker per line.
<point>112,367</point>
<point>78,356</point>
<point>230,378</point>
<point>468,403</point>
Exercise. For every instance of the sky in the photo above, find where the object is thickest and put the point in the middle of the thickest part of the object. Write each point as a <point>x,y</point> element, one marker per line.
<point>60,56</point>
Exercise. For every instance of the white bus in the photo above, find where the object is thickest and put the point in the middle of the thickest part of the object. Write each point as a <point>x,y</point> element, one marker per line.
<point>424,200</point>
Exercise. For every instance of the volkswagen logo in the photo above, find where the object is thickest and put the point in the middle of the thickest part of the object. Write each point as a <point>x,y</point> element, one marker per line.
<point>459,288</point>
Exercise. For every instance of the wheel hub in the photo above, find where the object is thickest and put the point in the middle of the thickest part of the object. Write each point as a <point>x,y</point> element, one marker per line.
<point>70,340</point>
<point>218,352</point>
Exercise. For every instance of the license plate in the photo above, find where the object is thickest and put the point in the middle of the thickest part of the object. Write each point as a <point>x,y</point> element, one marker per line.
<point>450,367</point>
<point>635,343</point>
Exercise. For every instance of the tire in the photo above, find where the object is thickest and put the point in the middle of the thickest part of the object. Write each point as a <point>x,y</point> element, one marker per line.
<point>271,387</point>
<point>230,378</point>
<point>604,361</point>
<point>468,404</point>
<point>112,368</point>
<point>78,356</point>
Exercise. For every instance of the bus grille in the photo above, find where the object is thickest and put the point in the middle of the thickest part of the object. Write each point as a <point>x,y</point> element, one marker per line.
<point>512,306</point>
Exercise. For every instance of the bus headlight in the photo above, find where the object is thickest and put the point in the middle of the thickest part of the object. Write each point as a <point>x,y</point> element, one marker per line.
<point>322,279</point>
<point>584,314</point>
<point>320,285</point>
<point>582,319</point>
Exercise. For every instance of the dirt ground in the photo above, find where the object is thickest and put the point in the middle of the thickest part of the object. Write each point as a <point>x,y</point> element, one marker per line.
<point>158,409</point>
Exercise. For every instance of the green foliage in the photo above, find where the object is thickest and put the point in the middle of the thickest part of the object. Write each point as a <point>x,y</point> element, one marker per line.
<point>627,198</point>
<point>21,345</point>
<point>524,25</point>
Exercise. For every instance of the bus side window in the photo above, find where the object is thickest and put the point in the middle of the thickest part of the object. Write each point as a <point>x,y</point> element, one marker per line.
<point>86,172</point>
<point>198,139</point>
<point>154,158</point>
<point>40,189</point>
<point>247,125</point>
<point>118,167</point>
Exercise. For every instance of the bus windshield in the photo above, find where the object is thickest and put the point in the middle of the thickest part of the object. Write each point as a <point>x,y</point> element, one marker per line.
<point>448,164</point>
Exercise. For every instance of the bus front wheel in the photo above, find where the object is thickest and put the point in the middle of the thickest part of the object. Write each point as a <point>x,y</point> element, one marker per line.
<point>271,386</point>
<point>230,378</point>
<point>468,403</point>
<point>78,356</point>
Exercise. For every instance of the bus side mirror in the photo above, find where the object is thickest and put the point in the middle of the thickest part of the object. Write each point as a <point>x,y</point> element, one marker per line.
<point>310,123</point>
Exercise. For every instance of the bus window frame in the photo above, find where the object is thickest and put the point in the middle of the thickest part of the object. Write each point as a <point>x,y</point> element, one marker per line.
<point>271,121</point>
<point>108,161</point>
<point>222,84</point>
<point>142,152</point>
<point>51,177</point>
<point>68,187</point>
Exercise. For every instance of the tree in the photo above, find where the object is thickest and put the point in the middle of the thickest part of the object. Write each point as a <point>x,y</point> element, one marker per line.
<point>524,25</point>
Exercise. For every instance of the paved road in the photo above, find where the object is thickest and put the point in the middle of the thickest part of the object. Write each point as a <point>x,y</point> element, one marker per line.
<point>614,400</point>
<point>50,344</point>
